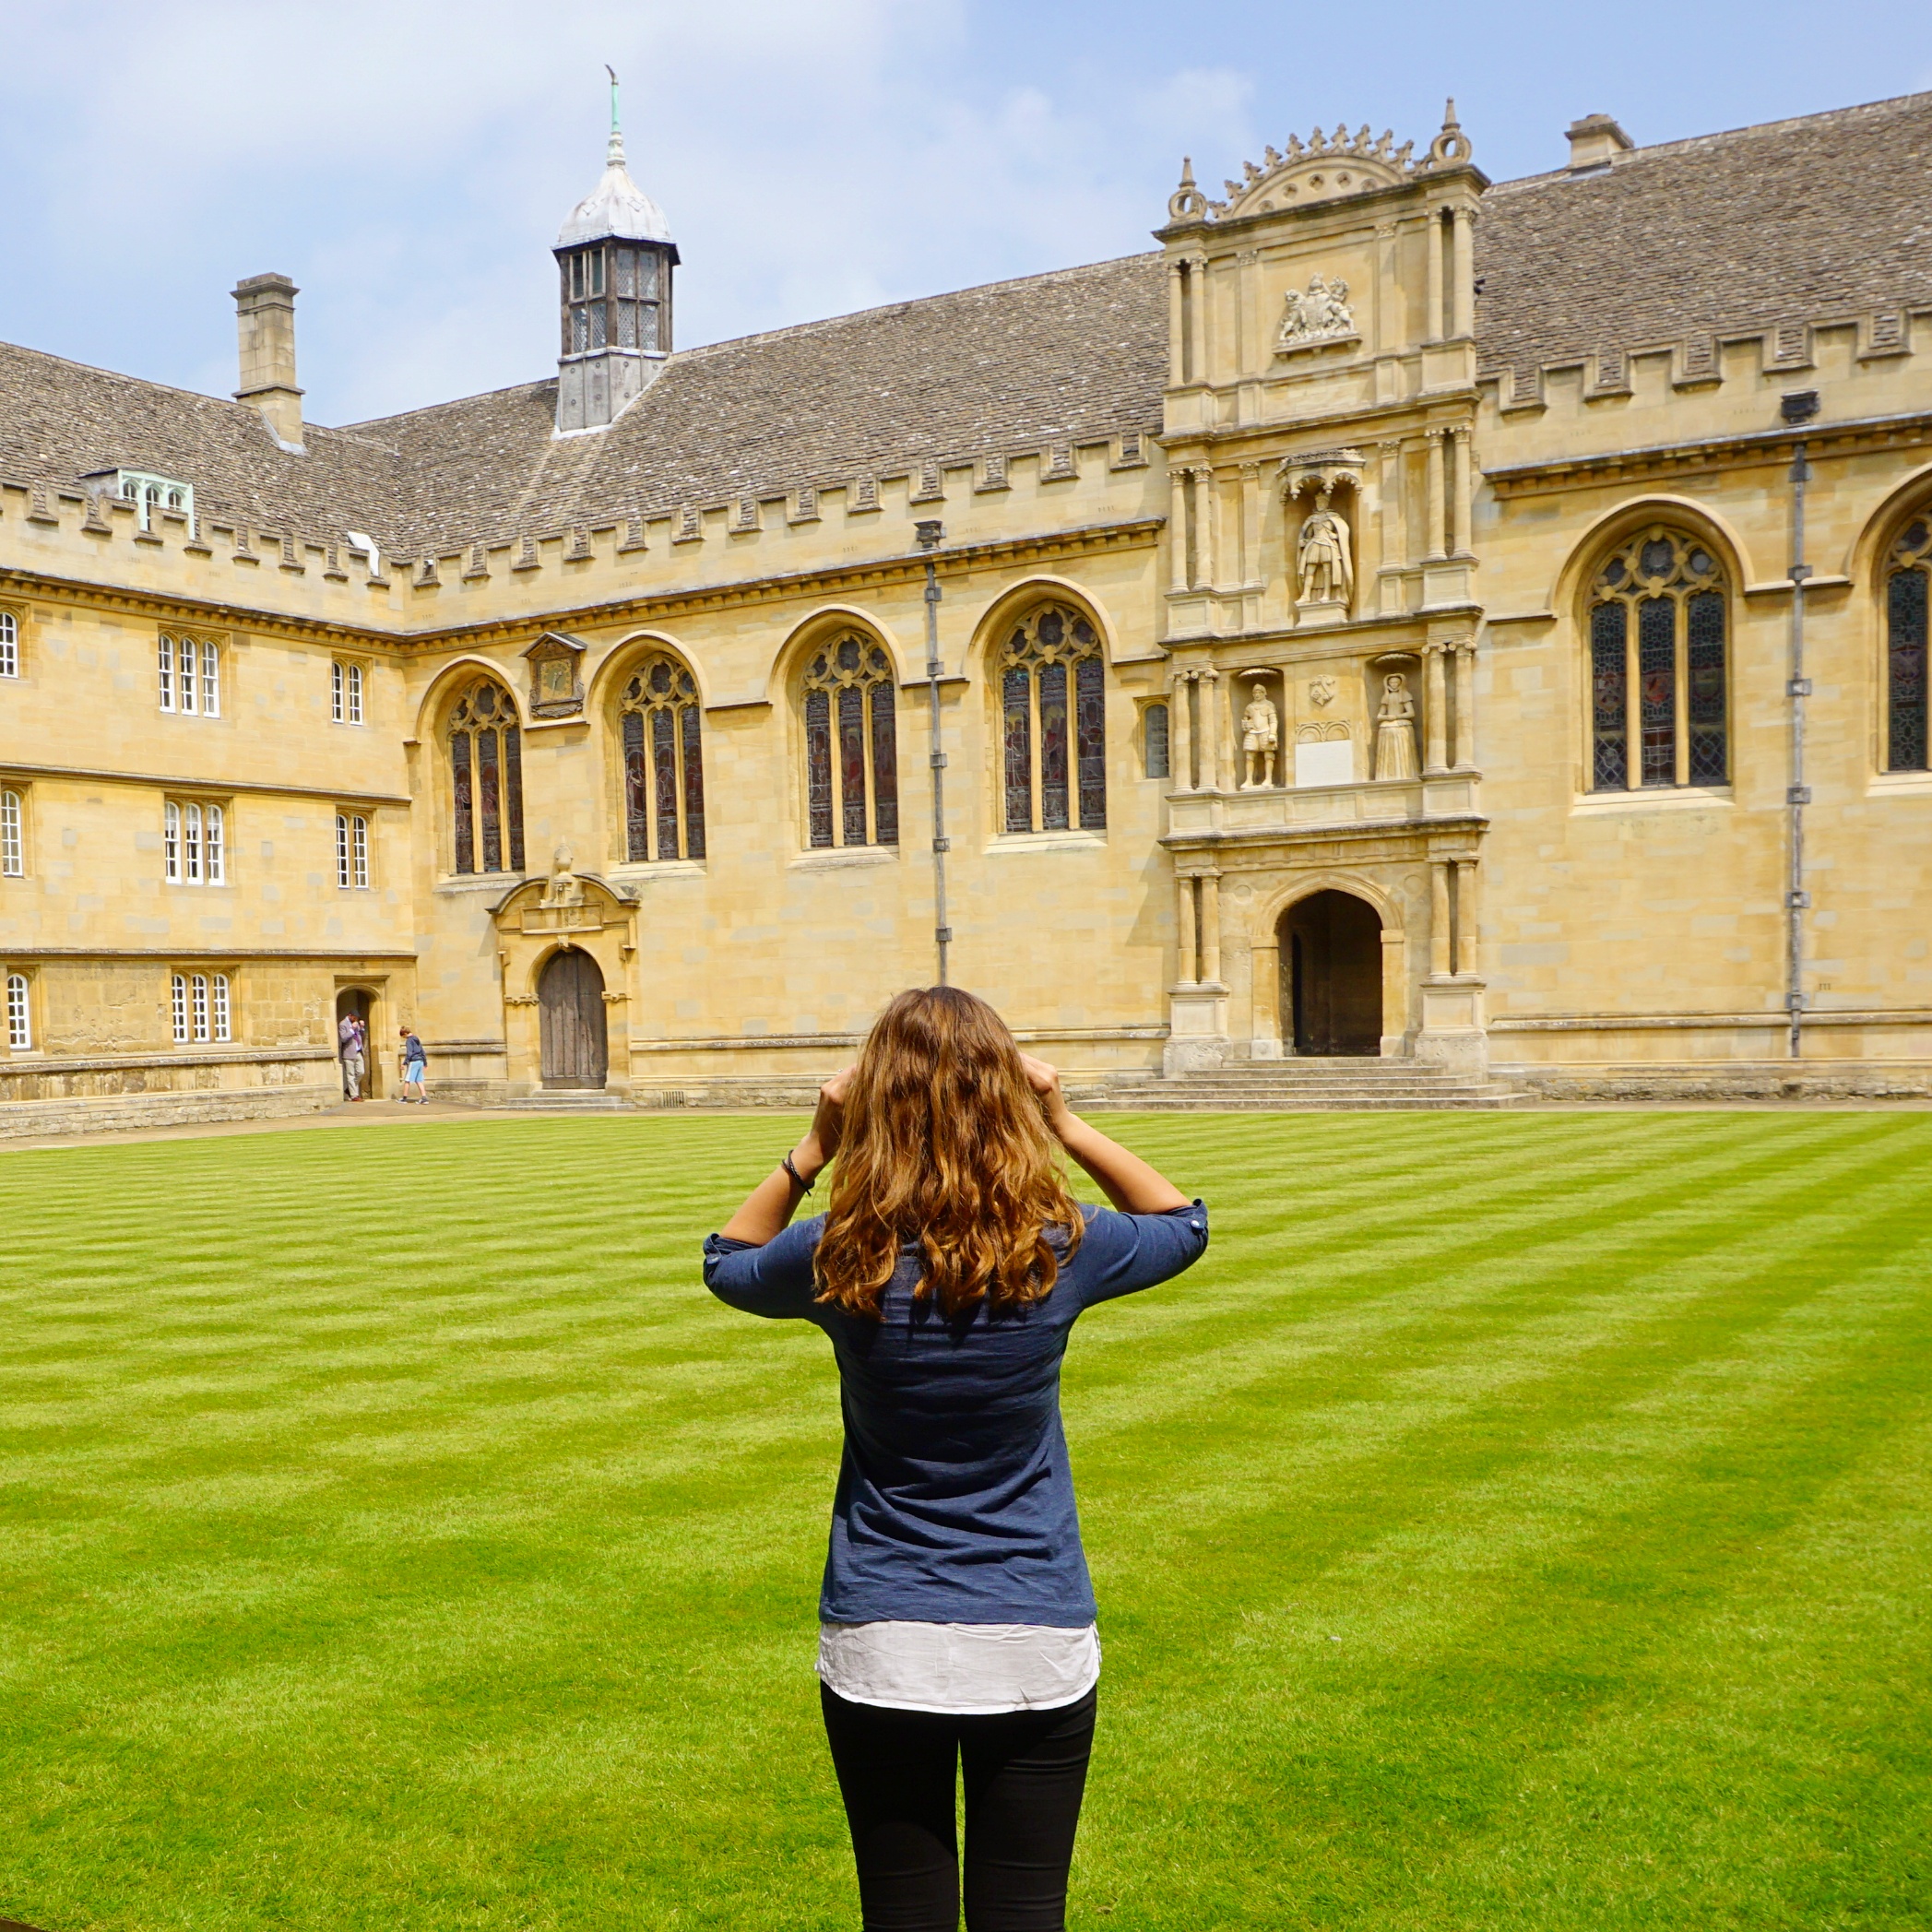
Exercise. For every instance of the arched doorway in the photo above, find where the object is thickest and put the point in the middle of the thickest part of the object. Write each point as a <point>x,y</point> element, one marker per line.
<point>361,1002</point>
<point>1331,957</point>
<point>570,1001</point>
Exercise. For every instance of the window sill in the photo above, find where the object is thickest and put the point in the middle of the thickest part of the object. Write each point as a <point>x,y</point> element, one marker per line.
<point>1658,798</point>
<point>1899,785</point>
<point>1046,842</point>
<point>832,859</point>
<point>498,883</point>
<point>633,871</point>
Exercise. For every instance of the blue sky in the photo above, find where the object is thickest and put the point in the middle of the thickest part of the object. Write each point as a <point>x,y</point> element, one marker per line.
<point>408,164</point>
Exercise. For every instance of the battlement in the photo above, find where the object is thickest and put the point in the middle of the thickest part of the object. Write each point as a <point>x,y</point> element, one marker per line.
<point>67,533</point>
<point>1635,396</point>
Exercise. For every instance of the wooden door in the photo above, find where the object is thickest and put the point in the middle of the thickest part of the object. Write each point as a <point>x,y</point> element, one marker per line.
<point>570,1000</point>
<point>1334,957</point>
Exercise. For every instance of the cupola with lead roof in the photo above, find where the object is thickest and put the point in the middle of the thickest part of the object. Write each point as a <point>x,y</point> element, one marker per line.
<point>614,259</point>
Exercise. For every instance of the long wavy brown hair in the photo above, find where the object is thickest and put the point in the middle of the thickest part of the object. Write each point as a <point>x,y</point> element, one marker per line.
<point>945,1143</point>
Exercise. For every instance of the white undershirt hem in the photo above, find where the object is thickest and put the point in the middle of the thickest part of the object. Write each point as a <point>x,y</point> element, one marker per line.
<point>958,1670</point>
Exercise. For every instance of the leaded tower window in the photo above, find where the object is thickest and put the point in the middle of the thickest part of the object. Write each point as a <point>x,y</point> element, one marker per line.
<point>663,768</point>
<point>1906,599</point>
<point>1053,724</point>
<point>486,780</point>
<point>1658,680</point>
<point>851,746</point>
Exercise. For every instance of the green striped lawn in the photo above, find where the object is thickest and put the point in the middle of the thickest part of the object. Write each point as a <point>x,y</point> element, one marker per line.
<point>1514,1522</point>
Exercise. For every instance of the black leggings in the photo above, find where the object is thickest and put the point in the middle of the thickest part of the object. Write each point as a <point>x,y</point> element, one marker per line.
<point>1024,1773</point>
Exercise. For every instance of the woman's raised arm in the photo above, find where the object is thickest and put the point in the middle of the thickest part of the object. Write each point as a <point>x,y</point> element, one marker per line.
<point>1127,1180</point>
<point>768,1208</point>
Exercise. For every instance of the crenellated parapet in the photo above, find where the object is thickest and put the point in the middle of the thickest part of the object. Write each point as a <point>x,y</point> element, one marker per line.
<point>67,533</point>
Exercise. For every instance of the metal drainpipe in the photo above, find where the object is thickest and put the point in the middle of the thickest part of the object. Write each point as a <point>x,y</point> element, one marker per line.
<point>931,535</point>
<point>1798,408</point>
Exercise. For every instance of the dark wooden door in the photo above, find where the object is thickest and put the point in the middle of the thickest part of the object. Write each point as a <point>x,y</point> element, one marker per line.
<point>570,1000</point>
<point>1332,955</point>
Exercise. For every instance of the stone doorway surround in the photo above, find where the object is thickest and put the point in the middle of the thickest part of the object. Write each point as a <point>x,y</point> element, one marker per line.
<point>535,923</point>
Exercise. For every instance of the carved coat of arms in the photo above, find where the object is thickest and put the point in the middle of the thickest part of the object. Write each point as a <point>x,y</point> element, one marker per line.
<point>1320,313</point>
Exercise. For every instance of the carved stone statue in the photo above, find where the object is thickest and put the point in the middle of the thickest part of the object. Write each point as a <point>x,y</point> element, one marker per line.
<point>1395,729</point>
<point>1260,735</point>
<point>565,887</point>
<point>1323,314</point>
<point>1323,557</point>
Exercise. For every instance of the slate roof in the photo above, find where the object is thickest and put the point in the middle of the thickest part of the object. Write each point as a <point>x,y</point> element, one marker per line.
<point>1827,216</point>
<point>1794,220</point>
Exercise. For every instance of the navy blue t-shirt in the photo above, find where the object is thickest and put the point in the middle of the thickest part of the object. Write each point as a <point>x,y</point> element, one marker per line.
<point>954,1501</point>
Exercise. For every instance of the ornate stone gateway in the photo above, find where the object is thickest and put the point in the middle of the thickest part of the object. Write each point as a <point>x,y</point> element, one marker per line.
<point>570,1004</point>
<point>1331,956</point>
<point>565,945</point>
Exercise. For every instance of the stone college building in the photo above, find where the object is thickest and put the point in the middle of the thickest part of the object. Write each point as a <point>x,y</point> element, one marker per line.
<point>1416,633</point>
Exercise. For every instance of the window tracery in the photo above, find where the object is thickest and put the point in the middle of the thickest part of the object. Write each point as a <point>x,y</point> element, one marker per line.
<point>201,1009</point>
<point>486,780</point>
<point>1658,666</point>
<point>190,671</point>
<point>663,762</point>
<point>194,843</point>
<point>1053,718</point>
<point>20,1014</point>
<point>1908,591</point>
<point>851,745</point>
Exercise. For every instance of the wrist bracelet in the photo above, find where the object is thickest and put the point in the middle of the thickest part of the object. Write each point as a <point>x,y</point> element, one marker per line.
<point>799,1180</point>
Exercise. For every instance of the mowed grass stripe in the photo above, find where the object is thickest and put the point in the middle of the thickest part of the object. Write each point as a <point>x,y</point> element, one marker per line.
<point>417,1548</point>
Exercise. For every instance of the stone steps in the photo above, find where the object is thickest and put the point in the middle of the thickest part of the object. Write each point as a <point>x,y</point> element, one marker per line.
<point>568,1100</point>
<point>1341,1083</point>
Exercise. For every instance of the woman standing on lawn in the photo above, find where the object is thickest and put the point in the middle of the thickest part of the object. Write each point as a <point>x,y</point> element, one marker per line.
<point>956,1620</point>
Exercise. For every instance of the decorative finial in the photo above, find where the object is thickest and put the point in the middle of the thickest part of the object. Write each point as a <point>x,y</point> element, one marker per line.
<point>1187,203</point>
<point>615,153</point>
<point>1451,146</point>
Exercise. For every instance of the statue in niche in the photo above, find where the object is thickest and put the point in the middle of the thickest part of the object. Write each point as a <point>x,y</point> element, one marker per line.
<point>1260,735</point>
<point>1323,314</point>
<point>1395,729</point>
<point>1322,557</point>
<point>565,887</point>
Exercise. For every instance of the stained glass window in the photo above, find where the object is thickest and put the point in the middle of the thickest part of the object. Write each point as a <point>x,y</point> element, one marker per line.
<point>486,780</point>
<point>664,773</point>
<point>851,745</point>
<point>1053,717</point>
<point>1906,600</point>
<point>1659,697</point>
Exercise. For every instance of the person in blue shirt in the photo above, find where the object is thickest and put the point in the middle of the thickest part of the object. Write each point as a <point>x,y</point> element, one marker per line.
<point>415,1067</point>
<point>957,1629</point>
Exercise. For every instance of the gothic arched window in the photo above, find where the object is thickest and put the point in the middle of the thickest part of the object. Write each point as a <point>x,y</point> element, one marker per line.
<point>851,746</point>
<point>1906,600</point>
<point>664,771</point>
<point>1658,700</point>
<point>486,780</point>
<point>1053,720</point>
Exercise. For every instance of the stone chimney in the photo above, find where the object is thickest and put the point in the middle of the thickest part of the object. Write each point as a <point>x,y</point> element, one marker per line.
<point>1594,141</point>
<point>264,316</point>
